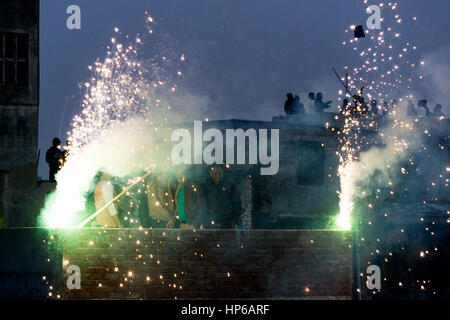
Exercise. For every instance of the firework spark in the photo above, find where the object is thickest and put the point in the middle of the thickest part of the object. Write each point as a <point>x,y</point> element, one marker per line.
<point>385,61</point>
<point>122,111</point>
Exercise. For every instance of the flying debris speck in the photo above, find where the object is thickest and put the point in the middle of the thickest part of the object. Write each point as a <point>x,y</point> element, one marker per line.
<point>359,32</point>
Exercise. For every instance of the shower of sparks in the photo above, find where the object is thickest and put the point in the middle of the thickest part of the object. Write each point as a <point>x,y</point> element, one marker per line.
<point>386,60</point>
<point>123,85</point>
<point>124,89</point>
<point>398,147</point>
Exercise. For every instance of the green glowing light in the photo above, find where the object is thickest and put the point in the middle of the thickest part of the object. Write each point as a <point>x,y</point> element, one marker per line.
<point>343,221</point>
<point>57,215</point>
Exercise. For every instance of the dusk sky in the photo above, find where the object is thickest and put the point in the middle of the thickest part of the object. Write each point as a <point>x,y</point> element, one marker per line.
<point>244,55</point>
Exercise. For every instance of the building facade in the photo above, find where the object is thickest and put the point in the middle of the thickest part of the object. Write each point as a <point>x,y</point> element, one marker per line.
<point>19,101</point>
<point>304,192</point>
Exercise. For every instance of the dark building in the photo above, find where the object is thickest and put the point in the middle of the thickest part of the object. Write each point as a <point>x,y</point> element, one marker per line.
<point>303,194</point>
<point>300,195</point>
<point>19,101</point>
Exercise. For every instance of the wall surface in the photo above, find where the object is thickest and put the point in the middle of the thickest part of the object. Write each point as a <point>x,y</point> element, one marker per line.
<point>208,264</point>
<point>19,120</point>
<point>18,155</point>
<point>310,205</point>
<point>30,262</point>
<point>303,194</point>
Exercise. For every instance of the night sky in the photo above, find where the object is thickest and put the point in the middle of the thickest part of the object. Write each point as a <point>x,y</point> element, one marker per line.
<point>244,55</point>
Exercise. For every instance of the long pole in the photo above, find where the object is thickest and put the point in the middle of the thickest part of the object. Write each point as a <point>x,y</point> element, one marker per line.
<point>82,224</point>
<point>342,82</point>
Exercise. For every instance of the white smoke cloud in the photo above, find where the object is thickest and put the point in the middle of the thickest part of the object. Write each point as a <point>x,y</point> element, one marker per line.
<point>124,150</point>
<point>401,140</point>
<point>436,80</point>
<point>188,106</point>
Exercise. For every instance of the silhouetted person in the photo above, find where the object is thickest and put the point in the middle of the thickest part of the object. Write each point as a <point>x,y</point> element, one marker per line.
<point>223,202</point>
<point>289,104</point>
<point>410,109</point>
<point>437,111</point>
<point>104,194</point>
<point>374,107</point>
<point>346,106</point>
<point>312,98</point>
<point>143,209</point>
<point>385,108</point>
<point>161,202</point>
<point>298,106</point>
<point>52,157</point>
<point>394,104</point>
<point>319,105</point>
<point>190,201</point>
<point>423,104</point>
<point>359,103</point>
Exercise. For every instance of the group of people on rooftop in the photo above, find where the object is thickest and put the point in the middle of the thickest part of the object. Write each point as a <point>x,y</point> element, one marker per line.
<point>357,105</point>
<point>170,200</point>
<point>374,108</point>
<point>294,106</point>
<point>165,200</point>
<point>412,111</point>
